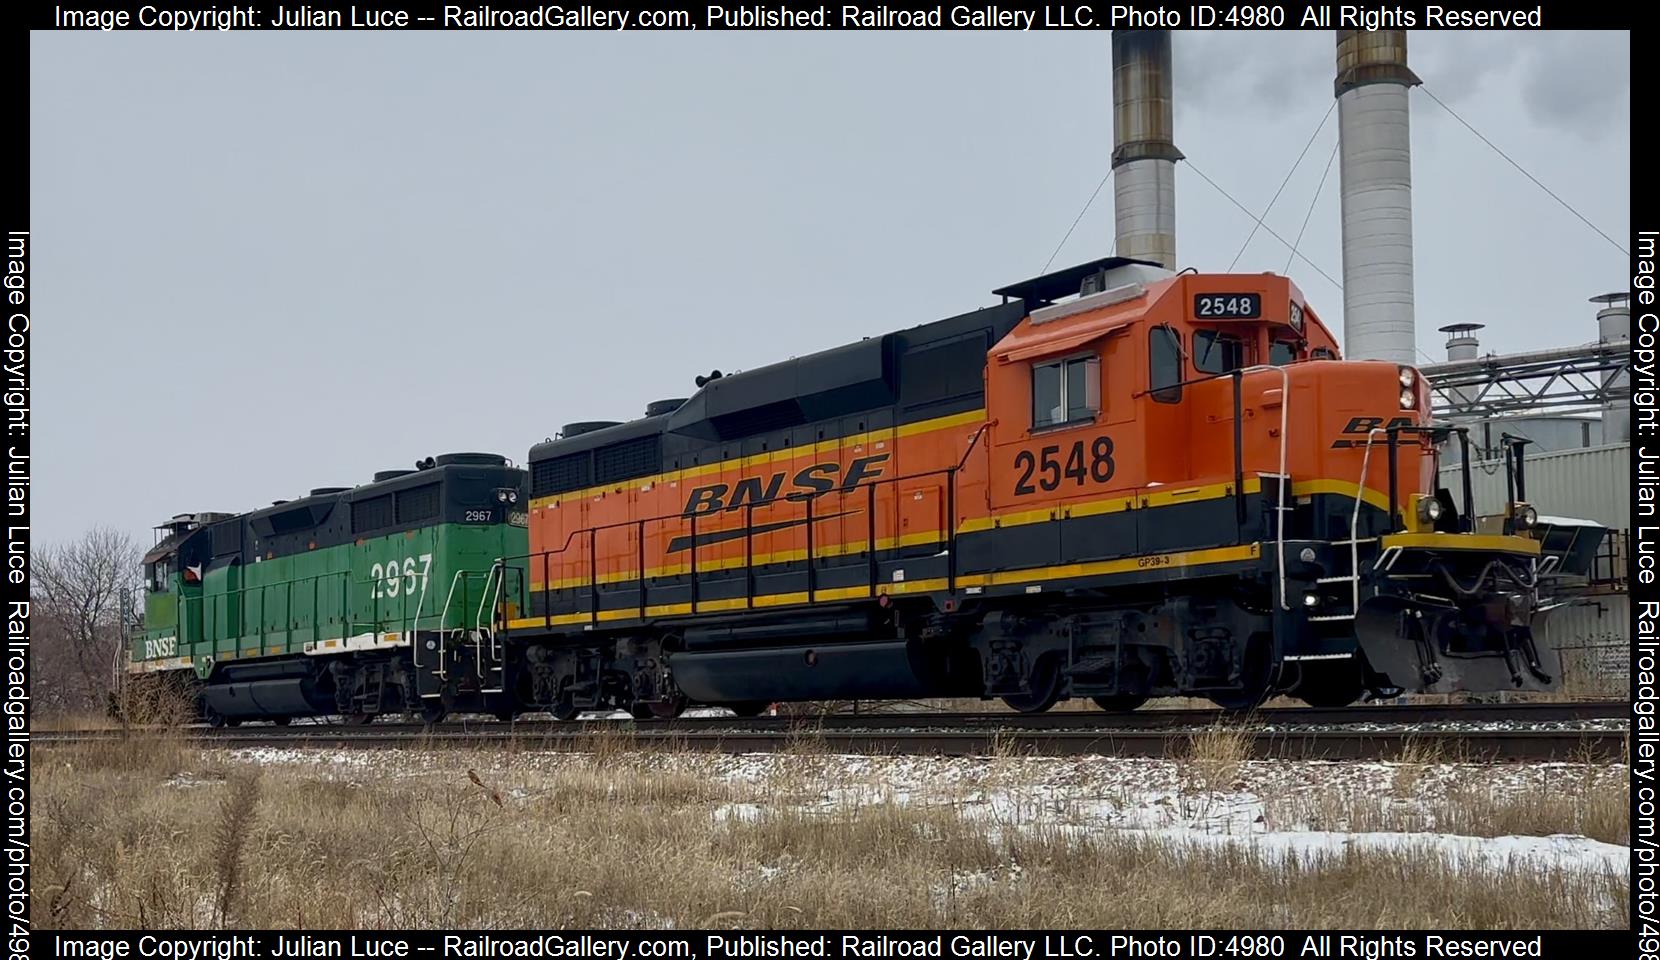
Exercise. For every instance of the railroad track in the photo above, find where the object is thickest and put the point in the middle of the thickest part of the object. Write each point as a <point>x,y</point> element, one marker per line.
<point>1289,733</point>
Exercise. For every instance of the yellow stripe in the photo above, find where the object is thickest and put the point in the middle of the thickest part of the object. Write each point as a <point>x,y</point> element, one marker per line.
<point>1159,497</point>
<point>1155,561</point>
<point>774,456</point>
<point>942,423</point>
<point>1153,499</point>
<point>1035,575</point>
<point>1343,488</point>
<point>1462,541</point>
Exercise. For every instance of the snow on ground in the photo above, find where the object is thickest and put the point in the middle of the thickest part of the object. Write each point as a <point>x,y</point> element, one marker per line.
<point>1152,799</point>
<point>1155,799</point>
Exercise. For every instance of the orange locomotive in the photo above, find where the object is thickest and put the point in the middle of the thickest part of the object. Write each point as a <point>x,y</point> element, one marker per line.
<point>1119,483</point>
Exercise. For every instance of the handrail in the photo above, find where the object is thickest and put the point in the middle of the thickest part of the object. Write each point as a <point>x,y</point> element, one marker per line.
<point>948,535</point>
<point>414,627</point>
<point>487,601</point>
<point>443,618</point>
<point>1354,521</point>
<point>1285,479</point>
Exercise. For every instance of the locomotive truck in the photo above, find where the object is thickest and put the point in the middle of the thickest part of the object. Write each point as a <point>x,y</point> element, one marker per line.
<point>1117,483</point>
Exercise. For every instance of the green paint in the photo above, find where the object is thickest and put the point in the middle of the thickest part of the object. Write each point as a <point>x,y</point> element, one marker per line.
<point>432,578</point>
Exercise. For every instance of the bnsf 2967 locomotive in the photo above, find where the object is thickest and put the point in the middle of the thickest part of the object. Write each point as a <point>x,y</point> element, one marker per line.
<point>1119,483</point>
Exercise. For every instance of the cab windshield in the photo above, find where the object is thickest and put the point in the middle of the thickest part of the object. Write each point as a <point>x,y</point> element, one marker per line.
<point>1216,352</point>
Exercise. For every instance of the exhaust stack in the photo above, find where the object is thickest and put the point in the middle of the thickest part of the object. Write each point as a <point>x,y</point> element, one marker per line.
<point>1614,326</point>
<point>1144,151</point>
<point>1462,342</point>
<point>1373,88</point>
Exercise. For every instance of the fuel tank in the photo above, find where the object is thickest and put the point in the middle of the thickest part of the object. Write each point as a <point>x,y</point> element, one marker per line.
<point>254,699</point>
<point>871,670</point>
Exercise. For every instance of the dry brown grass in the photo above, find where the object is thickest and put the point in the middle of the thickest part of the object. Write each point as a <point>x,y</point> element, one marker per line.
<point>1475,800</point>
<point>126,836</point>
<point>1216,755</point>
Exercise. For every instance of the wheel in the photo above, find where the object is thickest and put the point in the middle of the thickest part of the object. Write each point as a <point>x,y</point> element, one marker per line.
<point>364,719</point>
<point>432,713</point>
<point>507,714</point>
<point>213,717</point>
<point>640,711</point>
<point>233,721</point>
<point>1336,683</point>
<point>1046,688</point>
<point>1120,703</point>
<point>283,721</point>
<point>670,709</point>
<point>564,708</point>
<point>749,708</point>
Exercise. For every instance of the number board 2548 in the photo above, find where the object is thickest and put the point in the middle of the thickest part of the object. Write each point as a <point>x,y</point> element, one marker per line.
<point>1227,306</point>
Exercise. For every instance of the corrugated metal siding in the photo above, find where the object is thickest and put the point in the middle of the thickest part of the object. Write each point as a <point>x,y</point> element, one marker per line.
<point>1591,484</point>
<point>1594,637</point>
<point>1547,433</point>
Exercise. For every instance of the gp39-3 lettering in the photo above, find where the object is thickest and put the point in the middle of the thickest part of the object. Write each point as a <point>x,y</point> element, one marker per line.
<point>1051,471</point>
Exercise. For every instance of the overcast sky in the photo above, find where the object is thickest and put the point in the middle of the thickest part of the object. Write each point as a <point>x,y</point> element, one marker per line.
<point>268,262</point>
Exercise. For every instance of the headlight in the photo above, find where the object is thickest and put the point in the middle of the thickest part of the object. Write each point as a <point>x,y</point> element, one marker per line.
<point>1408,377</point>
<point>1525,515</point>
<point>501,496</point>
<point>1311,600</point>
<point>513,496</point>
<point>1409,400</point>
<point>1429,509</point>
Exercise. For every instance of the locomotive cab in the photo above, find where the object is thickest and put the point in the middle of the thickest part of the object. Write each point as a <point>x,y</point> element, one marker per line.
<point>1194,398</point>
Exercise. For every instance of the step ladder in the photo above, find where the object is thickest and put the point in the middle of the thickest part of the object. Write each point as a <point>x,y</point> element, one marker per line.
<point>1352,577</point>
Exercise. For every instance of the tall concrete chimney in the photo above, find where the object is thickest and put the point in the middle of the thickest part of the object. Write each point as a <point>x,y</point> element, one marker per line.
<point>1144,152</point>
<point>1614,326</point>
<point>1373,88</point>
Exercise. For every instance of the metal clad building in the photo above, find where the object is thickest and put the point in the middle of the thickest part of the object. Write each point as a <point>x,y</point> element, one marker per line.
<point>1590,483</point>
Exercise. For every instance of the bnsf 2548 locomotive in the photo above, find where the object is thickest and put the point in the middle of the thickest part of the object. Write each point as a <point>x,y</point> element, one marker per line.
<point>1120,483</point>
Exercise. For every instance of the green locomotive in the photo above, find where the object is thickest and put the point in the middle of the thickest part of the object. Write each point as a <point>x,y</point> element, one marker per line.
<point>361,601</point>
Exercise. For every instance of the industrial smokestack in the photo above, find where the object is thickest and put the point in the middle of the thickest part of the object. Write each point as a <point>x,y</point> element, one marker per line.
<point>1614,326</point>
<point>1373,89</point>
<point>1144,151</point>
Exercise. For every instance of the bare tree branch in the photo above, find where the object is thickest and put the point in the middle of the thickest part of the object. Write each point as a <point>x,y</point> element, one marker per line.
<point>76,598</point>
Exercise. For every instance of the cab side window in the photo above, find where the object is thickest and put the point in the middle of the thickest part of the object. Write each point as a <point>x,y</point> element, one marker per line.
<point>1065,392</point>
<point>1282,352</point>
<point>1164,350</point>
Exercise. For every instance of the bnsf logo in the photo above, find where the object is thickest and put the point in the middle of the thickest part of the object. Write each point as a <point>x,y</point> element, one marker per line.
<point>1362,426</point>
<point>810,481</point>
<point>158,647</point>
